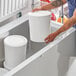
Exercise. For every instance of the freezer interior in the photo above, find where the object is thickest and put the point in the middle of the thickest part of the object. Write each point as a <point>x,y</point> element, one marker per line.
<point>42,59</point>
<point>23,29</point>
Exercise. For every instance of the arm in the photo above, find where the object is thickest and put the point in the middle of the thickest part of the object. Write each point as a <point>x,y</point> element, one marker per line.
<point>52,5</point>
<point>65,27</point>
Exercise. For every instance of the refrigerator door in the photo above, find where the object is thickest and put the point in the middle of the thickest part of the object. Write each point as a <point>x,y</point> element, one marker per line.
<point>67,46</point>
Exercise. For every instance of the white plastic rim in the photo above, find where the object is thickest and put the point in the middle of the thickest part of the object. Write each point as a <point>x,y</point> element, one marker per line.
<point>39,13</point>
<point>15,41</point>
<point>3,71</point>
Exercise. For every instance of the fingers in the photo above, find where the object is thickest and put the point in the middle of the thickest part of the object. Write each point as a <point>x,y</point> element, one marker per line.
<point>33,10</point>
<point>36,9</point>
<point>46,38</point>
<point>47,41</point>
<point>50,38</point>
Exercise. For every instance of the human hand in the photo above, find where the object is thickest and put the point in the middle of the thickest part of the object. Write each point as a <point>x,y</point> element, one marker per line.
<point>36,9</point>
<point>50,37</point>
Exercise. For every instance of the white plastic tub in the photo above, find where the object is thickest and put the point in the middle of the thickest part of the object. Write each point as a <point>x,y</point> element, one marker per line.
<point>48,60</point>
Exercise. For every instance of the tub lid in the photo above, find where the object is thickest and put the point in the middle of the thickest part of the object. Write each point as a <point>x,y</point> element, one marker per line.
<point>40,13</point>
<point>15,40</point>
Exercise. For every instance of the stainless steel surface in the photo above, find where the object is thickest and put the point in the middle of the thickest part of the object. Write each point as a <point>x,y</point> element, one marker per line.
<point>44,59</point>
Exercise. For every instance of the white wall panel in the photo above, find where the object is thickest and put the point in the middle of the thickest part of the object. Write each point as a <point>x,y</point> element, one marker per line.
<point>10,7</point>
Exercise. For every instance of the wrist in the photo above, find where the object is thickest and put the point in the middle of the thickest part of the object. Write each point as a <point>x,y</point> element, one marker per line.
<point>56,33</point>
